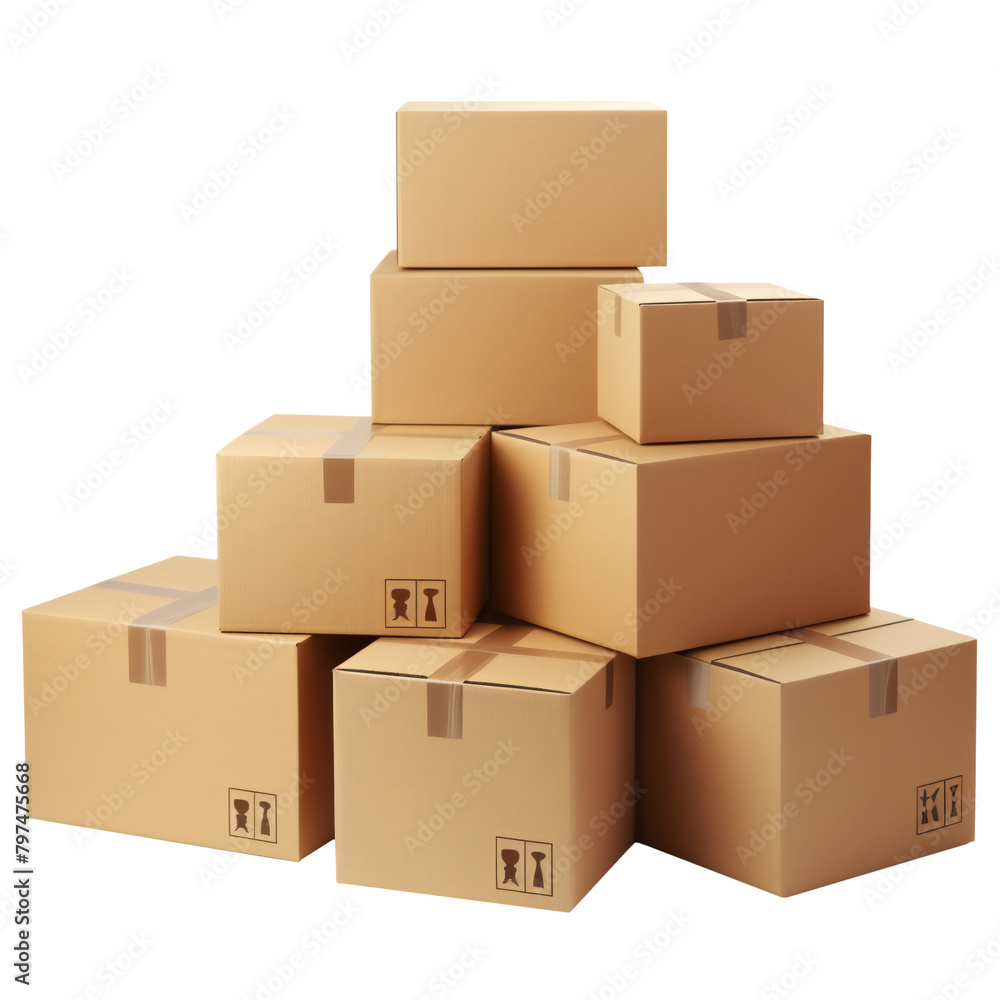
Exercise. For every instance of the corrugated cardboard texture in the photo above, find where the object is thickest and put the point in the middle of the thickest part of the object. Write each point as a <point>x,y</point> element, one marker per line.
<point>654,548</point>
<point>669,370</point>
<point>238,714</point>
<point>491,346</point>
<point>514,184</point>
<point>364,559</point>
<point>546,744</point>
<point>788,783</point>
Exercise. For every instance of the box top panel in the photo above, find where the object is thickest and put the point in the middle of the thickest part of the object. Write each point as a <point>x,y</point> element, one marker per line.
<point>440,107</point>
<point>520,656</point>
<point>179,593</point>
<point>671,294</point>
<point>285,435</point>
<point>597,437</point>
<point>388,266</point>
<point>800,654</point>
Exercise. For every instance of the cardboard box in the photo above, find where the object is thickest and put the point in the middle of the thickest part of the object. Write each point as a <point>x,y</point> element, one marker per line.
<point>654,548</point>
<point>142,717</point>
<point>336,524</point>
<point>710,362</point>
<point>793,760</point>
<point>494,346</point>
<point>531,184</point>
<point>498,767</point>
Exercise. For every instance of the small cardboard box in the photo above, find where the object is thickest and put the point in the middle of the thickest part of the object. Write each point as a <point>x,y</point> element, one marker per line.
<point>794,760</point>
<point>491,346</point>
<point>336,524</point>
<point>710,362</point>
<point>531,184</point>
<point>654,548</point>
<point>498,767</point>
<point>142,717</point>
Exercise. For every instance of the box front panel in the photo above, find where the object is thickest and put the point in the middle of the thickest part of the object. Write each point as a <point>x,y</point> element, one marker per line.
<point>564,541</point>
<point>388,563</point>
<point>531,188</point>
<point>695,386</point>
<point>873,792</point>
<point>477,817</point>
<point>753,541</point>
<point>493,347</point>
<point>211,758</point>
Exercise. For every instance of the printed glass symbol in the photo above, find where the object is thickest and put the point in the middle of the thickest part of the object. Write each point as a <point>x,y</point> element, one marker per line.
<point>400,598</point>
<point>953,814</point>
<point>510,859</point>
<point>265,823</point>
<point>242,807</point>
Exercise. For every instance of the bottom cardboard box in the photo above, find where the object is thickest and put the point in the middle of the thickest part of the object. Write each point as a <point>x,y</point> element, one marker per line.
<point>495,767</point>
<point>793,760</point>
<point>142,717</point>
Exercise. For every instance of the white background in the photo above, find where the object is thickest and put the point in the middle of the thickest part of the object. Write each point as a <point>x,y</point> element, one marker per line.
<point>882,95</point>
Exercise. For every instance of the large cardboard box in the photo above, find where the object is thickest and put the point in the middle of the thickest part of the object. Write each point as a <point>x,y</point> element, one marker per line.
<point>491,346</point>
<point>654,548</point>
<point>142,717</point>
<point>531,184</point>
<point>710,362</point>
<point>498,767</point>
<point>336,524</point>
<point>794,760</point>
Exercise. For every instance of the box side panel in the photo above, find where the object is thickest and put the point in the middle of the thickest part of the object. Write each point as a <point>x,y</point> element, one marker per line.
<point>696,387</point>
<point>500,347</point>
<point>565,564</point>
<point>431,814</point>
<point>749,542</point>
<point>620,361</point>
<point>605,796</point>
<point>289,561</point>
<point>856,783</point>
<point>560,188</point>
<point>161,761</point>
<point>709,762</point>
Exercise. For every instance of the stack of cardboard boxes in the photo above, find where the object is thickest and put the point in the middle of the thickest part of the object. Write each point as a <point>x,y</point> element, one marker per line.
<point>622,471</point>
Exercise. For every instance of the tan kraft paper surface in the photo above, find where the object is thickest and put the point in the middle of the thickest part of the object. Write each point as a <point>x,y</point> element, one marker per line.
<point>338,525</point>
<point>497,767</point>
<point>142,717</point>
<point>531,184</point>
<point>808,757</point>
<point>492,346</point>
<point>710,362</point>
<point>654,548</point>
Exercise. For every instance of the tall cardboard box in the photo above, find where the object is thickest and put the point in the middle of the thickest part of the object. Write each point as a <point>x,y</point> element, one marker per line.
<point>142,717</point>
<point>793,760</point>
<point>497,767</point>
<point>339,525</point>
<point>710,362</point>
<point>654,548</point>
<point>486,346</point>
<point>531,184</point>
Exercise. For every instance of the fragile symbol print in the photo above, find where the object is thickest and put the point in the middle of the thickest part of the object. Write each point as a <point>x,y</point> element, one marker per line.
<point>524,866</point>
<point>414,603</point>
<point>252,815</point>
<point>939,804</point>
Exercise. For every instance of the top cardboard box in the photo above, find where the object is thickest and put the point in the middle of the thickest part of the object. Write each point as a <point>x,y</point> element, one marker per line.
<point>531,184</point>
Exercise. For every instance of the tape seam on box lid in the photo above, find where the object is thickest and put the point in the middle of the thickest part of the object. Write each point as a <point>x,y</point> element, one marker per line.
<point>731,310</point>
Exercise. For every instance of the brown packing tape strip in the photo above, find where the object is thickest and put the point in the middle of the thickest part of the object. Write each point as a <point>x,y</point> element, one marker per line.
<point>559,462</point>
<point>445,685</point>
<point>883,671</point>
<point>147,639</point>
<point>731,310</point>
